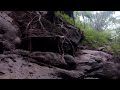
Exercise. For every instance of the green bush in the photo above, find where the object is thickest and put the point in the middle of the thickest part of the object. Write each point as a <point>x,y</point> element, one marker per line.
<point>116,48</point>
<point>65,17</point>
<point>94,38</point>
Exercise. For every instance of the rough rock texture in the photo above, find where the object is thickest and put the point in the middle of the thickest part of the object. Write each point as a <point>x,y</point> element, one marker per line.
<point>14,66</point>
<point>50,50</point>
<point>91,54</point>
<point>71,61</point>
<point>21,64</point>
<point>9,32</point>
<point>109,70</point>
<point>31,29</point>
<point>53,59</point>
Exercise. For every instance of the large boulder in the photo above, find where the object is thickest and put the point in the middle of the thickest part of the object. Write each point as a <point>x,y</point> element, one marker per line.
<point>9,32</point>
<point>69,74</point>
<point>21,64</point>
<point>14,66</point>
<point>97,64</point>
<point>109,70</point>
<point>106,49</point>
<point>53,59</point>
<point>87,55</point>
<point>71,61</point>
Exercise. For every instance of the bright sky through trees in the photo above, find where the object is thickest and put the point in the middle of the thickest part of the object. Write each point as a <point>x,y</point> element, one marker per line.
<point>111,25</point>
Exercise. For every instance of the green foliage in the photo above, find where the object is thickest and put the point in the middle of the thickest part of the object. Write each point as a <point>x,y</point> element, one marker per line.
<point>95,39</point>
<point>65,17</point>
<point>116,48</point>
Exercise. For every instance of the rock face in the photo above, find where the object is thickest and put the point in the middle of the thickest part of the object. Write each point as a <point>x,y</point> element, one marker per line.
<point>96,64</point>
<point>50,58</point>
<point>71,61</point>
<point>21,64</point>
<point>109,70</point>
<point>106,49</point>
<point>9,37</point>
<point>49,51</point>
<point>14,66</point>
<point>44,28</point>
<point>96,55</point>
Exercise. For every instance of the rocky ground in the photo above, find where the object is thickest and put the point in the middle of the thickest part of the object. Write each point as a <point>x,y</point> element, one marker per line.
<point>49,55</point>
<point>20,64</point>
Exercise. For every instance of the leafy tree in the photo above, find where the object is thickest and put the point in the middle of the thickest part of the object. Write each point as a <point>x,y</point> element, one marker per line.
<point>97,20</point>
